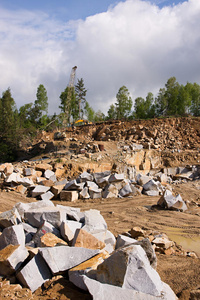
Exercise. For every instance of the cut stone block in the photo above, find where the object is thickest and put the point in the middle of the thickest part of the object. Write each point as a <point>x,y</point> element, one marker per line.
<point>126,191</point>
<point>27,182</point>
<point>135,271</point>
<point>73,213</point>
<point>94,221</point>
<point>92,186</point>
<point>9,218</point>
<point>152,185</point>
<point>73,185</point>
<point>75,274</point>
<point>35,273</point>
<point>95,194</point>
<point>39,190</point>
<point>12,235</point>
<point>69,195</point>
<point>85,239</point>
<point>85,176</point>
<point>20,189</point>
<point>28,172</point>
<point>48,174</point>
<point>63,258</point>
<point>11,259</point>
<point>56,189</point>
<point>47,196</point>
<point>53,215</point>
<point>116,177</point>
<point>23,207</point>
<point>68,229</point>
<point>84,193</point>
<point>110,191</point>
<point>50,240</point>
<point>100,175</point>
<point>102,182</point>
<point>143,179</point>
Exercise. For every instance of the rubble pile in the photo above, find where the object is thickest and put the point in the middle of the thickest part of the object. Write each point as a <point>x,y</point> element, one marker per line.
<point>40,240</point>
<point>43,183</point>
<point>169,133</point>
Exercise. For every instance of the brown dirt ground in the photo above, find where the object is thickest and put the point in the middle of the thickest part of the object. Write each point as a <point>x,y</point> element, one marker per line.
<point>180,272</point>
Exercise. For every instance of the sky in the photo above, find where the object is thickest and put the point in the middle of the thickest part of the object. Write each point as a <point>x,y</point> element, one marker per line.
<point>136,43</point>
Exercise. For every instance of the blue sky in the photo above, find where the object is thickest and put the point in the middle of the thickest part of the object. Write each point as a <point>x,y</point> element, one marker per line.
<point>137,43</point>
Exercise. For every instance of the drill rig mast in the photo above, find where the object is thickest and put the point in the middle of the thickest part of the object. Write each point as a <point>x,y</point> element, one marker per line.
<point>70,91</point>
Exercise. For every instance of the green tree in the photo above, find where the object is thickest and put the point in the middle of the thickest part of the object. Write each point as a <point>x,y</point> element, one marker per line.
<point>68,104</point>
<point>171,94</point>
<point>89,112</point>
<point>9,138</point>
<point>112,114</point>
<point>42,99</point>
<point>124,103</point>
<point>81,95</point>
<point>161,103</point>
<point>194,92</point>
<point>139,108</point>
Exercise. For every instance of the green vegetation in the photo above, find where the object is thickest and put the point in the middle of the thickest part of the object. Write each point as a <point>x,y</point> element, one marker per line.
<point>15,125</point>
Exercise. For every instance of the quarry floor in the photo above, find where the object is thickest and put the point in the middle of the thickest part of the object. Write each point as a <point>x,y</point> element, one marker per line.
<point>180,272</point>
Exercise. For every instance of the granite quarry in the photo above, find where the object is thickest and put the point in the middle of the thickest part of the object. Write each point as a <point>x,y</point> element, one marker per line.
<point>51,237</point>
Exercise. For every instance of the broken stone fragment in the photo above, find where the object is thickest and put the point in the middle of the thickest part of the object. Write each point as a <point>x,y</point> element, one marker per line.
<point>94,221</point>
<point>75,274</point>
<point>110,191</point>
<point>123,240</point>
<point>68,229</point>
<point>135,271</point>
<point>11,258</point>
<point>48,174</point>
<point>39,190</point>
<point>85,239</point>
<point>9,218</point>
<point>167,200</point>
<point>35,273</point>
<point>136,232</point>
<point>56,189</point>
<point>73,213</point>
<point>85,176</point>
<point>116,177</point>
<point>47,196</point>
<point>73,185</point>
<point>12,235</point>
<point>23,207</point>
<point>163,242</point>
<point>53,215</point>
<point>43,167</point>
<point>84,193</point>
<point>95,194</point>
<point>63,258</point>
<point>46,227</point>
<point>126,191</point>
<point>20,189</point>
<point>50,240</point>
<point>104,291</point>
<point>68,195</point>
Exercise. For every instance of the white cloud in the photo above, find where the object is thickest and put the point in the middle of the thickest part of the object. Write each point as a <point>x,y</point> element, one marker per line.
<point>135,43</point>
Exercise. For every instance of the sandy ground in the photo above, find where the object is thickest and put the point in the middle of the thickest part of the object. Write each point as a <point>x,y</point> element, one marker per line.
<point>180,272</point>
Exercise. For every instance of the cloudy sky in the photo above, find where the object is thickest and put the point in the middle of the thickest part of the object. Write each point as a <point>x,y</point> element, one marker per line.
<point>136,43</point>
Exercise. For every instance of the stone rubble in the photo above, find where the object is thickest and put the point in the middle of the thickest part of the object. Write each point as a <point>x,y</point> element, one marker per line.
<point>96,185</point>
<point>55,240</point>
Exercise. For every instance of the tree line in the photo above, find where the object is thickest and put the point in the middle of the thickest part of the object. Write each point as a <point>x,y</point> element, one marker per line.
<point>18,124</point>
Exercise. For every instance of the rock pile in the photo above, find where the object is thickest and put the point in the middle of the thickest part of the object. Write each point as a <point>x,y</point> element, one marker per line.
<point>40,240</point>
